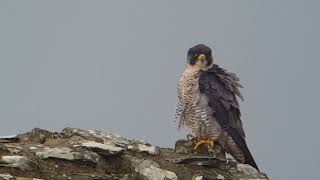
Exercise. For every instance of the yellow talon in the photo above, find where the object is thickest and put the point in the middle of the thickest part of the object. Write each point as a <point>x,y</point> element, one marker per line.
<point>203,141</point>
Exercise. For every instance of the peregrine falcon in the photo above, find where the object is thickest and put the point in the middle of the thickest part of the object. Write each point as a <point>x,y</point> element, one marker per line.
<point>208,105</point>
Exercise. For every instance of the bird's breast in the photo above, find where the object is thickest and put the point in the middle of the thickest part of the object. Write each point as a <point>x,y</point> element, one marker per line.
<point>189,84</point>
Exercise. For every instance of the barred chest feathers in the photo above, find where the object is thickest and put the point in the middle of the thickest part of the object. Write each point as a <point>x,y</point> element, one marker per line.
<point>189,84</point>
<point>192,108</point>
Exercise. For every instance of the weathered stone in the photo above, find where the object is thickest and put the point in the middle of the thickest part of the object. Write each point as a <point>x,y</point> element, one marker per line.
<point>117,140</point>
<point>81,177</point>
<point>9,139</point>
<point>88,155</point>
<point>67,153</point>
<point>196,177</point>
<point>220,177</point>
<point>69,132</point>
<point>184,146</point>
<point>96,136</point>
<point>207,161</point>
<point>21,162</point>
<point>33,148</point>
<point>248,172</point>
<point>247,169</point>
<point>102,149</point>
<point>4,149</point>
<point>187,147</point>
<point>13,149</point>
<point>131,177</point>
<point>213,163</point>
<point>208,177</point>
<point>6,177</point>
<point>38,135</point>
<point>152,170</point>
<point>153,150</point>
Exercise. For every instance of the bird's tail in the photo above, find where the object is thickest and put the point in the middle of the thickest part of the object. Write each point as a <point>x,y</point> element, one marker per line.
<point>239,149</point>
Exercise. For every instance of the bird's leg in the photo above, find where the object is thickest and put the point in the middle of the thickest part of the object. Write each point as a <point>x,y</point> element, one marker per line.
<point>201,141</point>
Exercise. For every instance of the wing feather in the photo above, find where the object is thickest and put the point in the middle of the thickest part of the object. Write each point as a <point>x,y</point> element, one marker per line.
<point>222,90</point>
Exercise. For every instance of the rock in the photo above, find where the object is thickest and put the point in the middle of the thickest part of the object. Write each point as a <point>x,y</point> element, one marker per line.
<point>4,148</point>
<point>6,177</point>
<point>250,173</point>
<point>117,140</point>
<point>198,178</point>
<point>220,177</point>
<point>153,150</point>
<point>207,161</point>
<point>86,134</point>
<point>187,147</point>
<point>93,155</point>
<point>38,135</point>
<point>151,170</point>
<point>10,148</point>
<point>33,148</point>
<point>66,153</point>
<point>9,139</point>
<point>15,161</point>
<point>102,149</point>
<point>184,146</point>
<point>247,169</point>
<point>97,136</point>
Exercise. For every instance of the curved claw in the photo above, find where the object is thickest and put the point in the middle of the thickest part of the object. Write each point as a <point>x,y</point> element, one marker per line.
<point>204,141</point>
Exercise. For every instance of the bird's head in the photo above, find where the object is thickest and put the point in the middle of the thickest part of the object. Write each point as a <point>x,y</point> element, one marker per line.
<point>200,56</point>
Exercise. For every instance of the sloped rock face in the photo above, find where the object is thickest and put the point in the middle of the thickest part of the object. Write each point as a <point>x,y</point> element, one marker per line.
<point>92,155</point>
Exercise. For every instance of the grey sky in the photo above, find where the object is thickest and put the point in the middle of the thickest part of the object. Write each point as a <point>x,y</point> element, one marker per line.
<point>114,66</point>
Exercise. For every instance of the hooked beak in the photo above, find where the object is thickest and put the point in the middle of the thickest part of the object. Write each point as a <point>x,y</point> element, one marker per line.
<point>202,58</point>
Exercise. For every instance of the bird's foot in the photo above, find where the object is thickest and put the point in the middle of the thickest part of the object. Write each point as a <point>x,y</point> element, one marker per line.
<point>200,141</point>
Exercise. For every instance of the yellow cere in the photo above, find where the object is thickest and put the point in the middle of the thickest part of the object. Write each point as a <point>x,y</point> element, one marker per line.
<point>201,56</point>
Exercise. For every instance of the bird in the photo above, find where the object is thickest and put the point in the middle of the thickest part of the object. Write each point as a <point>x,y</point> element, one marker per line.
<point>208,105</point>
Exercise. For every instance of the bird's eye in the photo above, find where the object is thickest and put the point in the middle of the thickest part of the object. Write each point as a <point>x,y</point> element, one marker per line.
<point>195,55</point>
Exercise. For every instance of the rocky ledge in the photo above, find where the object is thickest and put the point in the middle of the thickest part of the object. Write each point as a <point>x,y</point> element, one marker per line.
<point>92,155</point>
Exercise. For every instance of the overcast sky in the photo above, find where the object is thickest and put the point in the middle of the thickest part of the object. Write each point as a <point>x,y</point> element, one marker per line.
<point>114,66</point>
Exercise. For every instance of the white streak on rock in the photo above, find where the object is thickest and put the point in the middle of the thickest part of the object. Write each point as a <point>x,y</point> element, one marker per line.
<point>153,150</point>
